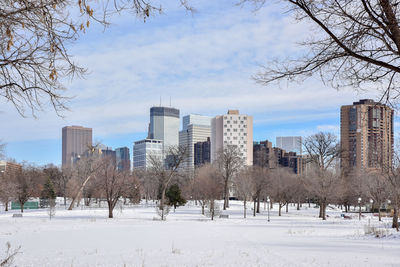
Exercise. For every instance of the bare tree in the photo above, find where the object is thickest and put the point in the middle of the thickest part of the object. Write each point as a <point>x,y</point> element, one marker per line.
<point>27,184</point>
<point>281,182</point>
<point>378,189</point>
<point>323,152</point>
<point>7,187</point>
<point>352,43</point>
<point>392,174</point>
<point>84,172</point>
<point>208,187</point>
<point>111,182</point>
<point>35,39</point>
<point>166,171</point>
<point>62,182</point>
<point>245,186</point>
<point>229,163</point>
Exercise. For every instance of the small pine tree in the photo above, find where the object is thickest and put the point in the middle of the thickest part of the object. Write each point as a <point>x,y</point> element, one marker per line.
<point>175,197</point>
<point>48,190</point>
<point>50,194</point>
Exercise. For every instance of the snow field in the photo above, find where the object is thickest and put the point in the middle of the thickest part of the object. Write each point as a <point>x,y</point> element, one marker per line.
<point>86,237</point>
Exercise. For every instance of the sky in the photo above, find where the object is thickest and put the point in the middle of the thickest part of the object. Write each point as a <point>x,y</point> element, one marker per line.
<point>201,62</point>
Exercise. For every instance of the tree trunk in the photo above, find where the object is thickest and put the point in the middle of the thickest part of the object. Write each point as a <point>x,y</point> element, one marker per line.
<point>212,209</point>
<point>298,205</point>
<point>379,212</point>
<point>78,193</point>
<point>244,208</point>
<point>258,203</point>
<point>271,206</point>
<point>6,206</point>
<point>22,206</point>
<point>110,210</point>
<point>320,210</point>
<point>202,207</point>
<point>162,202</point>
<point>65,200</point>
<point>225,194</point>
<point>323,211</point>
<point>265,204</point>
<point>287,207</point>
<point>280,208</point>
<point>395,223</point>
<point>254,207</point>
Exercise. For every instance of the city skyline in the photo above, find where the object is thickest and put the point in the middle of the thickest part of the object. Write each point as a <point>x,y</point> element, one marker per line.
<point>200,72</point>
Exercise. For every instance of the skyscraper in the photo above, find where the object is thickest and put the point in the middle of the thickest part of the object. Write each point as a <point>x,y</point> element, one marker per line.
<point>202,153</point>
<point>75,141</point>
<point>289,143</point>
<point>123,159</point>
<point>366,135</point>
<point>233,129</point>
<point>164,125</point>
<point>143,150</point>
<point>195,128</point>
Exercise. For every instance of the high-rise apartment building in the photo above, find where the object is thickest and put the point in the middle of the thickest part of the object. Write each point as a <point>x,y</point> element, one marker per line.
<point>195,128</point>
<point>233,129</point>
<point>123,158</point>
<point>75,142</point>
<point>164,125</point>
<point>290,143</point>
<point>202,153</point>
<point>143,150</point>
<point>9,167</point>
<point>366,135</point>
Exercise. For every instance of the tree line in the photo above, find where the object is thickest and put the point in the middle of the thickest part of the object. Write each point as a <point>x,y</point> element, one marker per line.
<point>321,182</point>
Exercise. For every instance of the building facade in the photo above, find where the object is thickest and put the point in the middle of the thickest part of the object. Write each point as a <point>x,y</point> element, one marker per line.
<point>75,142</point>
<point>108,152</point>
<point>366,136</point>
<point>143,150</point>
<point>233,129</point>
<point>164,125</point>
<point>195,128</point>
<point>123,159</point>
<point>9,167</point>
<point>290,143</point>
<point>202,153</point>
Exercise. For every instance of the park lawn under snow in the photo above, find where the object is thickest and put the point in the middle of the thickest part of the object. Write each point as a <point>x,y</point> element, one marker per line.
<point>86,237</point>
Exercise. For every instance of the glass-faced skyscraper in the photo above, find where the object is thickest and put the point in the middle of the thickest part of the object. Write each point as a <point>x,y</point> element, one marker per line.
<point>123,160</point>
<point>164,125</point>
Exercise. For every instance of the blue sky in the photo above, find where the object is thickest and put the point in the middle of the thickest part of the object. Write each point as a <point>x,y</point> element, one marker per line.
<point>202,61</point>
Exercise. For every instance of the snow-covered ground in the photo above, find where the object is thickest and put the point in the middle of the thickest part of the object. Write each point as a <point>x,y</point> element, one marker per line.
<point>86,237</point>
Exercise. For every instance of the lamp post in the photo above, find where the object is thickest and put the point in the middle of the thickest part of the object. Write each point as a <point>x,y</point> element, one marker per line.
<point>268,201</point>
<point>359,211</point>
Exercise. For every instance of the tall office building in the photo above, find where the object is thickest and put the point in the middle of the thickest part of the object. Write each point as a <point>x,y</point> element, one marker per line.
<point>233,129</point>
<point>75,142</point>
<point>108,152</point>
<point>164,125</point>
<point>123,158</point>
<point>195,128</point>
<point>143,150</point>
<point>366,135</point>
<point>290,143</point>
<point>202,153</point>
